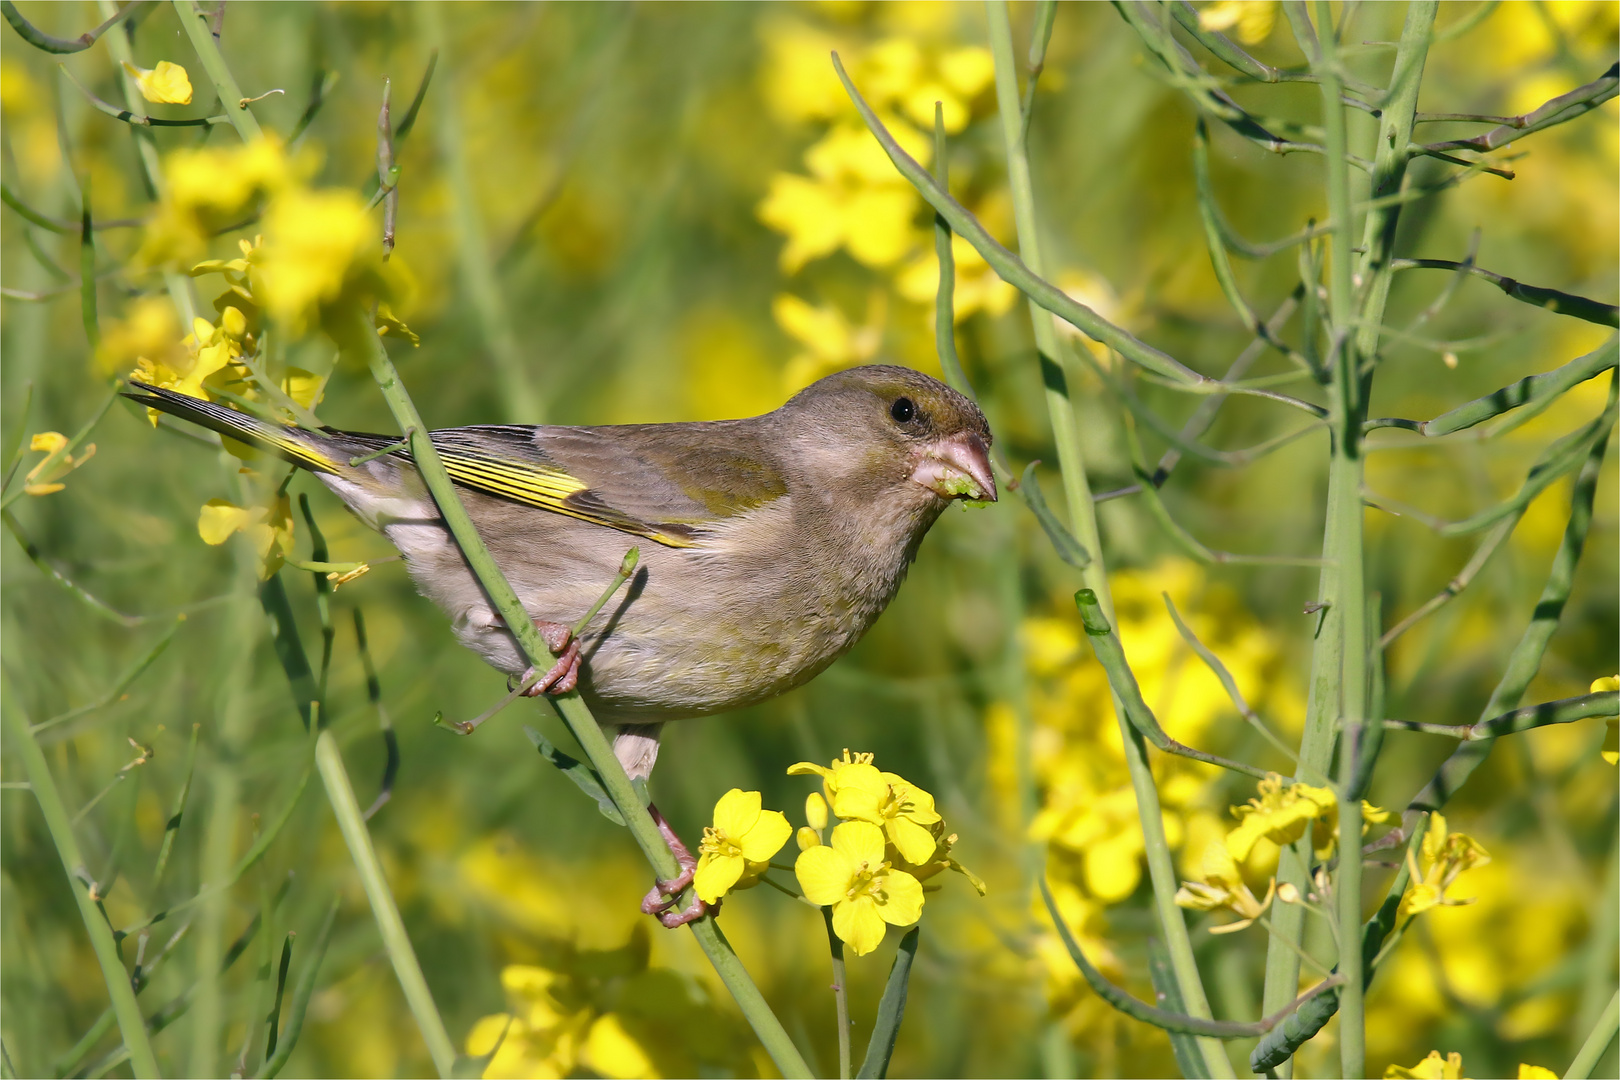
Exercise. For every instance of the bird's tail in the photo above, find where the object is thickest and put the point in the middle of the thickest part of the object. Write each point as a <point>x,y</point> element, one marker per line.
<point>313,450</point>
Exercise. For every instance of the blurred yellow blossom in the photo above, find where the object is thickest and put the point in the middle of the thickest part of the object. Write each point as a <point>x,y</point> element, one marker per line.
<point>41,480</point>
<point>1535,1072</point>
<point>166,84</point>
<point>1433,1067</point>
<point>1448,855</point>
<point>830,341</point>
<point>1223,887</point>
<point>854,198</point>
<point>738,847</point>
<point>606,1012</point>
<point>210,188</point>
<point>270,528</point>
<point>1253,19</point>
<point>863,889</point>
<point>150,327</point>
<point>977,286</point>
<point>315,243</point>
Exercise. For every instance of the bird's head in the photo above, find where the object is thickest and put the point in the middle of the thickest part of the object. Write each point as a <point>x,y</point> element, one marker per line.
<point>879,426</point>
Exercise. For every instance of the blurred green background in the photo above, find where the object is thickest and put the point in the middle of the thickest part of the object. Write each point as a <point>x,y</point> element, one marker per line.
<point>667,212</point>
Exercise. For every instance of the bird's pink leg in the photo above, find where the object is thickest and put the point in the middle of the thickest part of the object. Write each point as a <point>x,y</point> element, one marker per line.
<point>564,674</point>
<point>664,894</point>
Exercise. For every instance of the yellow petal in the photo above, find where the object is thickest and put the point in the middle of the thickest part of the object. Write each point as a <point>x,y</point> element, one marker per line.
<point>166,84</point>
<point>716,874</point>
<point>1535,1072</point>
<point>824,874</point>
<point>807,768</point>
<point>915,843</point>
<point>859,842</point>
<point>219,519</point>
<point>612,1051</point>
<point>904,898</point>
<point>766,837</point>
<point>736,812</point>
<point>858,924</point>
<point>48,441</point>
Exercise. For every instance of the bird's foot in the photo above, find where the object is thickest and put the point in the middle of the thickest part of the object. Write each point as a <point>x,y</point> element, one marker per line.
<point>564,674</point>
<point>665,894</point>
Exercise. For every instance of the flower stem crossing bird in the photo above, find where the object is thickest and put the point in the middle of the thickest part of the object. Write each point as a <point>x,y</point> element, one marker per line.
<point>777,539</point>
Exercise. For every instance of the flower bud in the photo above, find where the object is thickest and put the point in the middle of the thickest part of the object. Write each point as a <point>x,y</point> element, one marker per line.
<point>1287,894</point>
<point>815,811</point>
<point>807,839</point>
<point>233,322</point>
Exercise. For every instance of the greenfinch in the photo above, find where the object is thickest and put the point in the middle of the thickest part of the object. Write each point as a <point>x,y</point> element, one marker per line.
<point>775,541</point>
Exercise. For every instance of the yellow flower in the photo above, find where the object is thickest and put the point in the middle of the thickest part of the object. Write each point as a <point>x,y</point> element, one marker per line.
<point>854,199</point>
<point>978,287</point>
<point>830,341</point>
<point>166,84</point>
<point>1611,741</point>
<point>1535,1072</point>
<point>149,327</point>
<point>1224,887</point>
<point>1254,19</point>
<point>901,809</point>
<point>940,860</point>
<point>209,188</point>
<point>269,527</point>
<point>865,892</point>
<point>542,1034</point>
<point>315,244</point>
<point>43,481</point>
<point>1433,1067</point>
<point>1282,814</point>
<point>1448,855</point>
<point>830,774</point>
<point>614,1052</point>
<point>738,847</point>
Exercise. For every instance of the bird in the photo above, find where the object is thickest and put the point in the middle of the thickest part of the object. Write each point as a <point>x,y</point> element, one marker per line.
<point>776,540</point>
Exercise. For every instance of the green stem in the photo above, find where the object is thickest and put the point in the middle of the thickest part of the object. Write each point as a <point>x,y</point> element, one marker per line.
<point>329,760</point>
<point>358,337</point>
<point>1597,1042</point>
<point>231,98</point>
<point>840,989</point>
<point>1083,515</point>
<point>131,1024</point>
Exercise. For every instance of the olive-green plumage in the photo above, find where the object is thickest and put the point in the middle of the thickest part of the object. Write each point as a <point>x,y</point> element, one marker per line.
<point>776,540</point>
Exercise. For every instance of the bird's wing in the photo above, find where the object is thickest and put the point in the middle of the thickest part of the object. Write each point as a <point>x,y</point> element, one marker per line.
<point>665,482</point>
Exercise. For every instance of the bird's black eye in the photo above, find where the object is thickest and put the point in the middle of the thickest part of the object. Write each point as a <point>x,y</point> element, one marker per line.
<point>902,410</point>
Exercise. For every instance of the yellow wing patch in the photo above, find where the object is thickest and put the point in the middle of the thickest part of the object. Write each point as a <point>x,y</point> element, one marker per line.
<point>553,490</point>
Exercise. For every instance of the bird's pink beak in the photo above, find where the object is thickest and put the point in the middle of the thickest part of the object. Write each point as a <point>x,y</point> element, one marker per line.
<point>957,468</point>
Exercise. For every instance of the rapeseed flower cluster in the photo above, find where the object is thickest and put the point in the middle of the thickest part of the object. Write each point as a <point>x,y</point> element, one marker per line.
<point>608,1012</point>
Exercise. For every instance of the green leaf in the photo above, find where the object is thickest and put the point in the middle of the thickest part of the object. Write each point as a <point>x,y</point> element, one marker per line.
<point>583,776</point>
<point>891,1009</point>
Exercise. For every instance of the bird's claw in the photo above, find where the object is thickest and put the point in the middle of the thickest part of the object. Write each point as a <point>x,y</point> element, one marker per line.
<point>564,674</point>
<point>699,908</point>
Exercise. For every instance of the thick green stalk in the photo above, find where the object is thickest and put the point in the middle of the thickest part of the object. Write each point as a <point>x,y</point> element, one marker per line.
<point>1597,1042</point>
<point>357,335</point>
<point>231,99</point>
<point>1083,516</point>
<point>329,760</point>
<point>131,1024</point>
<point>517,394</point>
